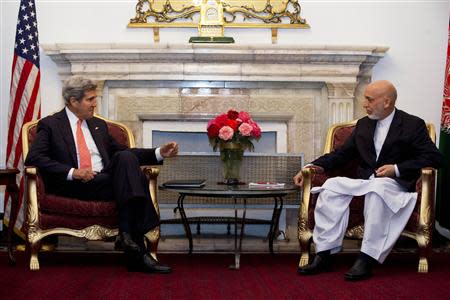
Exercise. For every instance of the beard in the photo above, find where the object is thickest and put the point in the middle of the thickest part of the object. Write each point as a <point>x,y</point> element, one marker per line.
<point>376,113</point>
<point>373,116</point>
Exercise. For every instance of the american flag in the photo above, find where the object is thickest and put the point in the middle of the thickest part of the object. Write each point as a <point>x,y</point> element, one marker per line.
<point>25,101</point>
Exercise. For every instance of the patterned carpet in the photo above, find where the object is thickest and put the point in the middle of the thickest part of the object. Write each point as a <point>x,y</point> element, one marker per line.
<point>206,276</point>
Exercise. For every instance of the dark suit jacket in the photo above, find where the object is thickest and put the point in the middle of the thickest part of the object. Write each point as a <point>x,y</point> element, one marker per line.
<point>54,153</point>
<point>407,144</point>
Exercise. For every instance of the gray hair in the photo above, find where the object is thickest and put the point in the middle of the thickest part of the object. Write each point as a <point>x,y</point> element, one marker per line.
<point>75,87</point>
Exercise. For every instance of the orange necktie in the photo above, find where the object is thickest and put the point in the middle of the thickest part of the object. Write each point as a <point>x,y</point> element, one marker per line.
<point>85,155</point>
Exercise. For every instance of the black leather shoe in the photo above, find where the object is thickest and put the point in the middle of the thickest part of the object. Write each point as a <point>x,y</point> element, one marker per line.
<point>320,264</point>
<point>126,243</point>
<point>147,264</point>
<point>362,269</point>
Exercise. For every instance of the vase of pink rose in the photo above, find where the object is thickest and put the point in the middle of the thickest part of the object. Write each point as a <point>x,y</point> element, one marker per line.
<point>232,133</point>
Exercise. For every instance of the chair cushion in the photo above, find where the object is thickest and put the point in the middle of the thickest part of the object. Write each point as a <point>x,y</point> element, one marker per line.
<point>49,221</point>
<point>53,204</point>
<point>57,211</point>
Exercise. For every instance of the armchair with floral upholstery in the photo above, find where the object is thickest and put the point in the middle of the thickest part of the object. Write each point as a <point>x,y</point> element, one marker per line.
<point>419,226</point>
<point>49,214</point>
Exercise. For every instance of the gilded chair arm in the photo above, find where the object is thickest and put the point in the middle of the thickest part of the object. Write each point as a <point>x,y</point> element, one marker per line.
<point>31,171</point>
<point>32,214</point>
<point>152,174</point>
<point>426,212</point>
<point>153,236</point>
<point>303,228</point>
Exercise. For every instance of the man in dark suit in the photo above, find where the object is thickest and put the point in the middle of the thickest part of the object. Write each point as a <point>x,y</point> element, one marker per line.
<point>392,146</point>
<point>79,158</point>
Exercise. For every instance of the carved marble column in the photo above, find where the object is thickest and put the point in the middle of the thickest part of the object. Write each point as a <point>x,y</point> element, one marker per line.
<point>340,105</point>
<point>100,85</point>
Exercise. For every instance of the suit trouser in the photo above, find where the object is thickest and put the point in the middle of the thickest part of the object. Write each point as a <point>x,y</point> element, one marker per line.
<point>121,180</point>
<point>382,226</point>
<point>133,196</point>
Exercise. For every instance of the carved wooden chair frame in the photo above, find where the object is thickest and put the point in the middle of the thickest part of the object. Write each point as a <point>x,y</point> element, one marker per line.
<point>422,235</point>
<point>34,234</point>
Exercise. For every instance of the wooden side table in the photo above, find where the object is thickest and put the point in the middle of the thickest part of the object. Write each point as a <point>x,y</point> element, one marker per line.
<point>8,178</point>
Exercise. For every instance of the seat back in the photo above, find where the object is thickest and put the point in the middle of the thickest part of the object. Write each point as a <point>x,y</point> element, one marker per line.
<point>339,133</point>
<point>336,137</point>
<point>118,131</point>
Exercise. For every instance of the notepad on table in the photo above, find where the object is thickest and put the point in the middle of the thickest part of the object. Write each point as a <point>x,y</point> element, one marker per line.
<point>266,184</point>
<point>185,183</point>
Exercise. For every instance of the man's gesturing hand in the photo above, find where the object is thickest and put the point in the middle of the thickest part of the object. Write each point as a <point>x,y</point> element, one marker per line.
<point>84,174</point>
<point>169,150</point>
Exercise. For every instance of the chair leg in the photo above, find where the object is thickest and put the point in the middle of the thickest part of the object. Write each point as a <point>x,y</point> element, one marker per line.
<point>34,250</point>
<point>305,247</point>
<point>424,243</point>
<point>152,239</point>
<point>423,265</point>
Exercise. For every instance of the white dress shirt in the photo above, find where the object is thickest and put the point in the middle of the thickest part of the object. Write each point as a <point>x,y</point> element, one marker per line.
<point>96,159</point>
<point>380,134</point>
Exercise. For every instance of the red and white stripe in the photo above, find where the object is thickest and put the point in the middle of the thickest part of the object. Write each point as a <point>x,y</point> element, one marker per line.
<point>24,106</point>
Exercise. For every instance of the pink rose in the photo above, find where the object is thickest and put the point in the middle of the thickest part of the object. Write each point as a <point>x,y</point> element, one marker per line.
<point>245,129</point>
<point>226,133</point>
<point>244,116</point>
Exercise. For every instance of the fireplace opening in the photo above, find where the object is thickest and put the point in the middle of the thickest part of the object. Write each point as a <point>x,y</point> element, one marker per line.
<point>191,135</point>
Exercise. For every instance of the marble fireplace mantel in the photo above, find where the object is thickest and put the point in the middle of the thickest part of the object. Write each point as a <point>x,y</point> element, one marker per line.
<point>325,80</point>
<point>330,64</point>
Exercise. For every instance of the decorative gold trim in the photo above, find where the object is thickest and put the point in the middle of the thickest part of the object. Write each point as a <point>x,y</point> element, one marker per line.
<point>431,132</point>
<point>153,236</point>
<point>152,239</point>
<point>267,14</point>
<point>25,129</point>
<point>172,13</point>
<point>167,14</point>
<point>231,25</point>
<point>304,233</point>
<point>274,35</point>
<point>356,232</point>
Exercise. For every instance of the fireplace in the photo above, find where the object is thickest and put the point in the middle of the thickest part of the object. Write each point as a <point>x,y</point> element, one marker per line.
<point>307,88</point>
<point>294,92</point>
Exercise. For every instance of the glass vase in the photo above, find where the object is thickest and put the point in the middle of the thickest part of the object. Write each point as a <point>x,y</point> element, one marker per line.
<point>231,155</point>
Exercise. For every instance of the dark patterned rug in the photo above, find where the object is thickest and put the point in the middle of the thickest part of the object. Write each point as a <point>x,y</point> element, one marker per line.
<point>206,276</point>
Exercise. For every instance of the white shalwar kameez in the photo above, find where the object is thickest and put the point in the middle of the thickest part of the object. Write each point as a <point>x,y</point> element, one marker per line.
<point>387,208</point>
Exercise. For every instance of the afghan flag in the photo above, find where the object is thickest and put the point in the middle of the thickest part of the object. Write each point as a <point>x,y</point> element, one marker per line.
<point>443,190</point>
